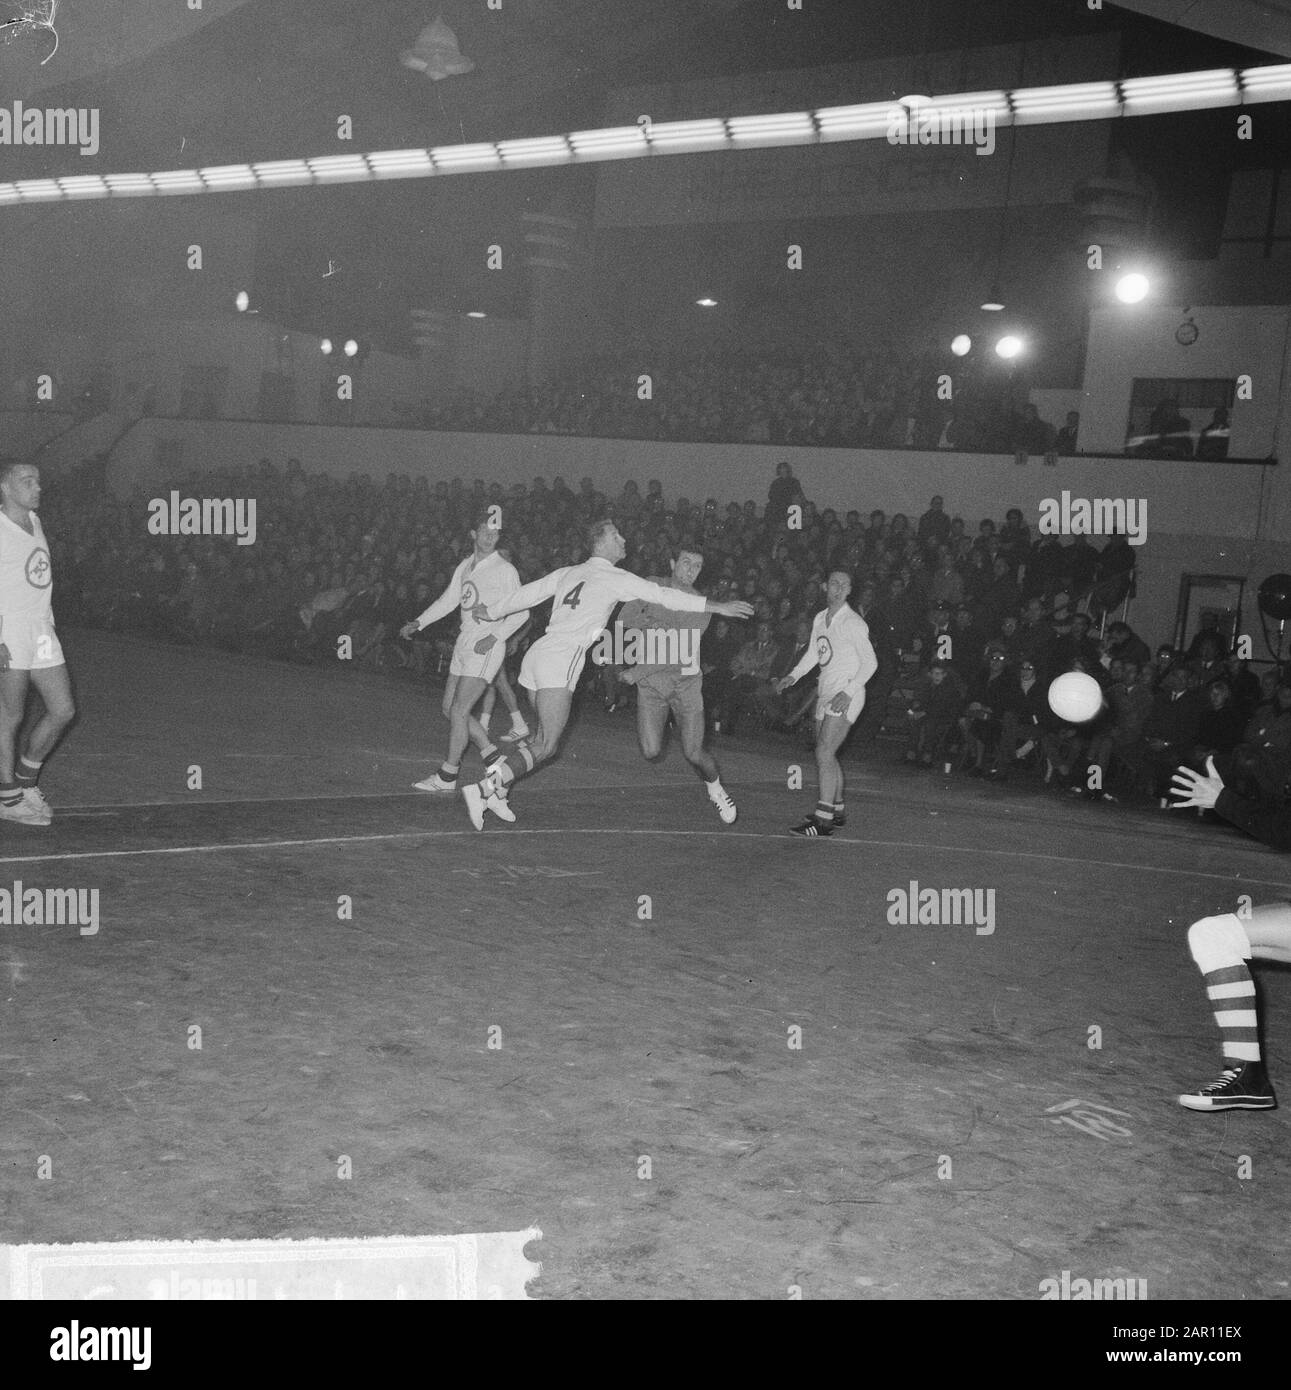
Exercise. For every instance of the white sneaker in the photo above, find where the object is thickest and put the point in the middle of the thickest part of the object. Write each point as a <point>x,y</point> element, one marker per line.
<point>35,798</point>
<point>515,736</point>
<point>474,799</point>
<point>24,813</point>
<point>501,808</point>
<point>725,806</point>
<point>435,784</point>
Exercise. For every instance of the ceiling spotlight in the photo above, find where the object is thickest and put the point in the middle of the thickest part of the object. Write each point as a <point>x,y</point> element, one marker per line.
<point>961,344</point>
<point>1008,346</point>
<point>243,301</point>
<point>351,348</point>
<point>1132,288</point>
<point>707,303</point>
<point>993,305</point>
<point>325,347</point>
<point>476,314</point>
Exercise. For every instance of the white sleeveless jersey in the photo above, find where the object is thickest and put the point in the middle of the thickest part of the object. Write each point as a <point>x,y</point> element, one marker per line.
<point>583,597</point>
<point>26,575</point>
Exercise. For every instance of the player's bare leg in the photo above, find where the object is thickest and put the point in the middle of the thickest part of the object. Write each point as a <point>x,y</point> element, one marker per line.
<point>502,686</point>
<point>1221,946</point>
<point>553,706</point>
<point>690,727</point>
<point>461,695</point>
<point>20,798</point>
<point>831,730</point>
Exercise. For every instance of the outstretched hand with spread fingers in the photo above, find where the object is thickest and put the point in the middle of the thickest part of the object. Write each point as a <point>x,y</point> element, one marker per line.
<point>1196,788</point>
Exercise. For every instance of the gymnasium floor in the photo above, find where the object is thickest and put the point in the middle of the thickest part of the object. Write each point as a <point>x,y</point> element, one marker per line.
<point>771,1167</point>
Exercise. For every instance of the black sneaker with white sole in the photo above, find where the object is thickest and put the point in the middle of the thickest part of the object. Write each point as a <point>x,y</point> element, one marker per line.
<point>1238,1088</point>
<point>812,829</point>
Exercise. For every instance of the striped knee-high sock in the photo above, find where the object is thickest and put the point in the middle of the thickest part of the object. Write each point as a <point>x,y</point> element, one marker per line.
<point>502,774</point>
<point>1231,991</point>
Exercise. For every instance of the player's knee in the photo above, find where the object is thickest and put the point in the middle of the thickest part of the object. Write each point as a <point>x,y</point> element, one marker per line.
<point>651,750</point>
<point>1217,943</point>
<point>60,708</point>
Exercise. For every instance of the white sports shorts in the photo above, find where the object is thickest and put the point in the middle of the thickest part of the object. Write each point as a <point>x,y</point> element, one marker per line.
<point>468,662</point>
<point>552,664</point>
<point>854,708</point>
<point>32,642</point>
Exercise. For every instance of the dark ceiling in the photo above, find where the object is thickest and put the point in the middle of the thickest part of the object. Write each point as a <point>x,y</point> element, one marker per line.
<point>270,79</point>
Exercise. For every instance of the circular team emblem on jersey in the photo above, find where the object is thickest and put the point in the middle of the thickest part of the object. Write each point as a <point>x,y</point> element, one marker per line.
<point>470,595</point>
<point>823,650</point>
<point>39,570</point>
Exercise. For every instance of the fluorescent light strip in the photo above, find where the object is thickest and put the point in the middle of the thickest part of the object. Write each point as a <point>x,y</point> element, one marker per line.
<point>1080,101</point>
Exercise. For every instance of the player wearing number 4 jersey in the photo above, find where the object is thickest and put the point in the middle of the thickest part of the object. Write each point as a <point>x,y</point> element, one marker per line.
<point>840,646</point>
<point>30,653</point>
<point>582,599</point>
<point>484,577</point>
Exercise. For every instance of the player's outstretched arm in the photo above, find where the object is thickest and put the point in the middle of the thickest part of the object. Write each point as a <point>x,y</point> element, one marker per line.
<point>1269,823</point>
<point>736,609</point>
<point>525,597</point>
<point>441,607</point>
<point>806,662</point>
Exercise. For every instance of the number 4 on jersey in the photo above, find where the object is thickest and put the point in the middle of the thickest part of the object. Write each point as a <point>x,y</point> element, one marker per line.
<point>571,599</point>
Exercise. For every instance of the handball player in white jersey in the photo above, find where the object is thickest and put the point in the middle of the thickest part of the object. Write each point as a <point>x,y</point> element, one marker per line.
<point>485,577</point>
<point>583,597</point>
<point>29,650</point>
<point>840,647</point>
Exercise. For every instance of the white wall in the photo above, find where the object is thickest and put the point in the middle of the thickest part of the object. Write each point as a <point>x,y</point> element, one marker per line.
<point>1131,341</point>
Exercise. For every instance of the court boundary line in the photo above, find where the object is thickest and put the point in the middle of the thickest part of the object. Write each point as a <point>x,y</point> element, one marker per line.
<point>628,830</point>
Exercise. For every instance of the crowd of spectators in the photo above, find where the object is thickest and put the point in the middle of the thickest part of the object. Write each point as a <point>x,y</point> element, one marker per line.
<point>970,623</point>
<point>832,397</point>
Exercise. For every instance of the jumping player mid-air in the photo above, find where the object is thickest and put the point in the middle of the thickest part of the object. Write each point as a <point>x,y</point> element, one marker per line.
<point>583,597</point>
<point>484,577</point>
<point>1222,945</point>
<point>674,687</point>
<point>29,650</point>
<point>840,646</point>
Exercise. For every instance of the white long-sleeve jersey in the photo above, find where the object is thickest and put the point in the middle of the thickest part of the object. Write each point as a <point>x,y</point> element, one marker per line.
<point>841,648</point>
<point>488,581</point>
<point>583,597</point>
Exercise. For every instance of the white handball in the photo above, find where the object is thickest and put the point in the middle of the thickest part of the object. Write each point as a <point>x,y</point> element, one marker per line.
<point>1075,697</point>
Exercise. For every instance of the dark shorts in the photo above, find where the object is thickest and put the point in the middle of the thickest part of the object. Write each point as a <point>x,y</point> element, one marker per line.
<point>683,695</point>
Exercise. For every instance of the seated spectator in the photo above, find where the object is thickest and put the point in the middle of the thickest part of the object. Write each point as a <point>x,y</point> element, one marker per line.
<point>1220,728</point>
<point>988,697</point>
<point>1122,643</point>
<point>933,713</point>
<point>751,678</point>
<point>1015,538</point>
<point>1077,647</point>
<point>1262,761</point>
<point>1244,684</point>
<point>1025,719</point>
<point>1170,730</point>
<point>1130,698</point>
<point>1207,635</point>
